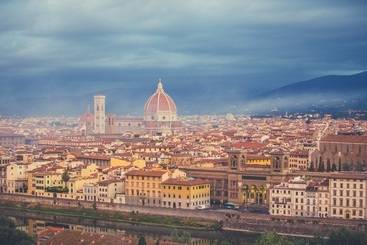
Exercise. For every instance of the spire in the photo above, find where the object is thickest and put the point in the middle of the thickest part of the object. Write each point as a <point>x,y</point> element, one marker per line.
<point>160,85</point>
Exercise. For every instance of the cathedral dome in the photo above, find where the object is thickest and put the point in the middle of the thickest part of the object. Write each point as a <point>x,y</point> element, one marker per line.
<point>160,106</point>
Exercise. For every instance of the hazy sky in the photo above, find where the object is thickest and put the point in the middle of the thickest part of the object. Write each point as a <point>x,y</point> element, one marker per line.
<point>257,44</point>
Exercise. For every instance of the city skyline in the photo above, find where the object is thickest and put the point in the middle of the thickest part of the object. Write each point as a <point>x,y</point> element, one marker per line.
<point>227,122</point>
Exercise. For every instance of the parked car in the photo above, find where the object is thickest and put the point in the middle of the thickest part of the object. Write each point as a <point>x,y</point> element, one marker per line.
<point>230,206</point>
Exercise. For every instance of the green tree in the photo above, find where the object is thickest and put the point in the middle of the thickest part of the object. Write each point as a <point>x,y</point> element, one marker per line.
<point>346,237</point>
<point>333,167</point>
<point>11,236</point>
<point>346,167</point>
<point>142,241</point>
<point>65,176</point>
<point>328,167</point>
<point>359,167</point>
<point>271,238</point>
<point>246,192</point>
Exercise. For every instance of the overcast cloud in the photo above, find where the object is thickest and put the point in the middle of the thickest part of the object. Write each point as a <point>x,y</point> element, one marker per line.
<point>257,44</point>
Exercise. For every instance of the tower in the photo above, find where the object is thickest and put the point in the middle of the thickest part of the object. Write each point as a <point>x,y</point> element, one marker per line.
<point>99,114</point>
<point>236,159</point>
<point>279,162</point>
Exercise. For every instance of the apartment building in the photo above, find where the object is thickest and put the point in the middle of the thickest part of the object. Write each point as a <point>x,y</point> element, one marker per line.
<point>16,178</point>
<point>143,187</point>
<point>348,195</point>
<point>340,195</point>
<point>298,160</point>
<point>185,193</point>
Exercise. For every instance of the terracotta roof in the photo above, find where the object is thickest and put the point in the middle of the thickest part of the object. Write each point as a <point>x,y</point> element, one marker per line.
<point>107,182</point>
<point>96,157</point>
<point>345,139</point>
<point>150,173</point>
<point>185,182</point>
<point>248,145</point>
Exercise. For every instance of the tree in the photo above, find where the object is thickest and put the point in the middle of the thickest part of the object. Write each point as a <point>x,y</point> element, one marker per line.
<point>65,176</point>
<point>333,167</point>
<point>311,168</point>
<point>246,192</point>
<point>344,236</point>
<point>11,236</point>
<point>346,167</point>
<point>321,167</point>
<point>271,238</point>
<point>142,241</point>
<point>328,166</point>
<point>254,193</point>
<point>359,167</point>
<point>262,191</point>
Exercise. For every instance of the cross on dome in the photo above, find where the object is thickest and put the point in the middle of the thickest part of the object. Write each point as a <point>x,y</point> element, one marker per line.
<point>160,85</point>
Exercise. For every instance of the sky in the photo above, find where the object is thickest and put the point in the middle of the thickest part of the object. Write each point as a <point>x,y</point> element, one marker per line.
<point>248,46</point>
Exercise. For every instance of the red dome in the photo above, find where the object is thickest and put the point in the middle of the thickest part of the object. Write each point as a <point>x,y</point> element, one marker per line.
<point>159,102</point>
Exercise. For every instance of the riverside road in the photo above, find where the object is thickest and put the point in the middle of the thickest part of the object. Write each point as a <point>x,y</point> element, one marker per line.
<point>232,220</point>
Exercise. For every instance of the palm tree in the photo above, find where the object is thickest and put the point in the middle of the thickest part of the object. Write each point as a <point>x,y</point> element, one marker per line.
<point>254,192</point>
<point>262,191</point>
<point>246,192</point>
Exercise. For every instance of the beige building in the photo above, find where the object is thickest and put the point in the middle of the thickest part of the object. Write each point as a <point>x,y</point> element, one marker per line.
<point>340,195</point>
<point>143,187</point>
<point>298,160</point>
<point>108,189</point>
<point>348,193</point>
<point>16,178</point>
<point>288,198</point>
<point>185,193</point>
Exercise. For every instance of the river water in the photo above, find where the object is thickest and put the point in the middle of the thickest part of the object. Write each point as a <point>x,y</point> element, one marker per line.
<point>70,231</point>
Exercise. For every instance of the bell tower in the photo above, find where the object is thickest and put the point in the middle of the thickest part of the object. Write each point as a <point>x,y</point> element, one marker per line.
<point>99,114</point>
<point>236,159</point>
<point>279,162</point>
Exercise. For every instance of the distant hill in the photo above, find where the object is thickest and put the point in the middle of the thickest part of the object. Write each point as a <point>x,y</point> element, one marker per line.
<point>334,92</point>
<point>332,84</point>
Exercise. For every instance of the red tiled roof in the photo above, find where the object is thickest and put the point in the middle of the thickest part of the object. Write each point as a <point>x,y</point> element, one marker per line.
<point>185,182</point>
<point>150,173</point>
<point>345,139</point>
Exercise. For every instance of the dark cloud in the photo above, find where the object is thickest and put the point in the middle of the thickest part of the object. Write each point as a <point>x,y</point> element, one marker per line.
<point>251,45</point>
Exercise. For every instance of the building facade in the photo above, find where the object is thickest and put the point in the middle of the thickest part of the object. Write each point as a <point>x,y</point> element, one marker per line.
<point>348,196</point>
<point>185,193</point>
<point>341,152</point>
<point>339,195</point>
<point>99,114</point>
<point>142,187</point>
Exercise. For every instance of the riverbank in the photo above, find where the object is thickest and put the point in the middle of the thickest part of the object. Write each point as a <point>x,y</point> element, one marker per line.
<point>109,216</point>
<point>205,220</point>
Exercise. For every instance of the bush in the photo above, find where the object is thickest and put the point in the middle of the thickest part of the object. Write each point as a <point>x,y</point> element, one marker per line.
<point>11,236</point>
<point>271,238</point>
